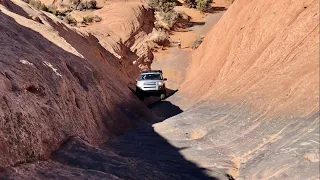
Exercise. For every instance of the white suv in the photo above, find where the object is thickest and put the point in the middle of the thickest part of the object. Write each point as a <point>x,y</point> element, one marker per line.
<point>151,83</point>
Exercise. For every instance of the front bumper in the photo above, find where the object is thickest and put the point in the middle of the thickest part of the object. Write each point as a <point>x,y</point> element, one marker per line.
<point>161,90</point>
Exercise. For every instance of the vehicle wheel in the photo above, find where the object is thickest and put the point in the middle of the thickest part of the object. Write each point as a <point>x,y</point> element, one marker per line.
<point>163,96</point>
<point>141,97</point>
<point>139,94</point>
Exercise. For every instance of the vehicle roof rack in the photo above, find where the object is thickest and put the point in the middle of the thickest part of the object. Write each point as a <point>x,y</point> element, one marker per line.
<point>152,71</point>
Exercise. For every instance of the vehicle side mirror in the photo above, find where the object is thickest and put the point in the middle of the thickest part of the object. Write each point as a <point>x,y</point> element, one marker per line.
<point>165,79</point>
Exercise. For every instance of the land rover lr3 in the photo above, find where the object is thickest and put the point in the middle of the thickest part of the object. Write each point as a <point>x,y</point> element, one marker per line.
<point>151,83</point>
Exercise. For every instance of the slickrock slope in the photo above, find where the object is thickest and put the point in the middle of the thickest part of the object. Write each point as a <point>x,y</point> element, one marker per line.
<point>255,81</point>
<point>264,51</point>
<point>56,83</point>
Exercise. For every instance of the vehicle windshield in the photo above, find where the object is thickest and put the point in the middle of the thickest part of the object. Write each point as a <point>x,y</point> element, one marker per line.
<point>150,77</point>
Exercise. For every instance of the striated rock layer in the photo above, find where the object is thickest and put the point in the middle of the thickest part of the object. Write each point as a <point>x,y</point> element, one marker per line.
<point>262,52</point>
<point>255,87</point>
<point>55,83</point>
<point>126,31</point>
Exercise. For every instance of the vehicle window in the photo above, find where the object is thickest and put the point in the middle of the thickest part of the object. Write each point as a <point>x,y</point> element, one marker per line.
<point>150,77</point>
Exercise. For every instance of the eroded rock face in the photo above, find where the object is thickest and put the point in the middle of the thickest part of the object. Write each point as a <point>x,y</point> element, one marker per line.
<point>126,31</point>
<point>262,52</point>
<point>56,84</point>
<point>256,80</point>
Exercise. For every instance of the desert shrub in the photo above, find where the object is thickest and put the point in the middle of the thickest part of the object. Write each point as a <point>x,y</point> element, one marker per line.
<point>43,7</point>
<point>170,18</point>
<point>190,3</point>
<point>159,25</point>
<point>61,17</point>
<point>197,43</point>
<point>90,19</point>
<point>26,1</point>
<point>70,20</point>
<point>203,5</point>
<point>80,6</point>
<point>92,4</point>
<point>97,18</point>
<point>182,15</point>
<point>162,5</point>
<point>160,37</point>
<point>75,2</point>
<point>52,9</point>
<point>37,4</point>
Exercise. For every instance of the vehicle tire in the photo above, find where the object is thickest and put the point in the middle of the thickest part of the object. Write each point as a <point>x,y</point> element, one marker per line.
<point>141,97</point>
<point>162,96</point>
<point>139,94</point>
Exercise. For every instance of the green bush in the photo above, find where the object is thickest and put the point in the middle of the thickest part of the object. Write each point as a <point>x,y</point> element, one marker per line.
<point>170,18</point>
<point>26,1</point>
<point>43,7</point>
<point>92,4</point>
<point>196,43</point>
<point>75,2</point>
<point>53,9</point>
<point>97,18</point>
<point>80,6</point>
<point>182,15</point>
<point>162,5</point>
<point>70,20</point>
<point>37,4</point>
<point>190,3</point>
<point>203,5</point>
<point>90,19</point>
<point>160,37</point>
<point>158,26</point>
<point>57,13</point>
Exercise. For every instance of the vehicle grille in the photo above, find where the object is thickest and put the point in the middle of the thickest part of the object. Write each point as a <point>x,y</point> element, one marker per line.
<point>150,85</point>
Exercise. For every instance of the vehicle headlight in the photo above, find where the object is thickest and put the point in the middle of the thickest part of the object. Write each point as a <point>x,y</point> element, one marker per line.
<point>160,83</point>
<point>139,84</point>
